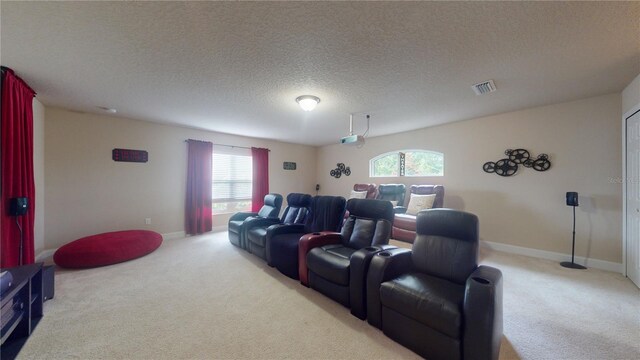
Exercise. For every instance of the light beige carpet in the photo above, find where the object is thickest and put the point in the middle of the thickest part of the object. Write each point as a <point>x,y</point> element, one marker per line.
<point>202,298</point>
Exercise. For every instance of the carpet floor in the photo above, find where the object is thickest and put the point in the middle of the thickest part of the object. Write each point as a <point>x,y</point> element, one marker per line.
<point>202,298</point>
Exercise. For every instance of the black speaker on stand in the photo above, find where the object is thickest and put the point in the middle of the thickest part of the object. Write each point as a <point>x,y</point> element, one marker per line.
<point>18,207</point>
<point>572,200</point>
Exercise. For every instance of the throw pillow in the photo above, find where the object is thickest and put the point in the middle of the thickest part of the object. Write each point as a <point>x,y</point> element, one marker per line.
<point>358,194</point>
<point>420,202</point>
<point>394,202</point>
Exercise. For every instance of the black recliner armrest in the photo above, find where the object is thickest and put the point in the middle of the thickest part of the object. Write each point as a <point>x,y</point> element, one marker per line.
<point>399,209</point>
<point>358,269</point>
<point>242,216</point>
<point>384,266</point>
<point>279,229</point>
<point>483,314</point>
<point>284,229</point>
<point>262,222</point>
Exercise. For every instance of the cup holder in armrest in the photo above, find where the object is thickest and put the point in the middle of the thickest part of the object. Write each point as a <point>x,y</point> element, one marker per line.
<point>384,253</point>
<point>315,233</point>
<point>371,248</point>
<point>481,280</point>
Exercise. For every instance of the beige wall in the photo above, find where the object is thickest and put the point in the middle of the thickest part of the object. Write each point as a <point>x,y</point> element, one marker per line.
<point>38,174</point>
<point>631,95</point>
<point>88,193</point>
<point>528,210</point>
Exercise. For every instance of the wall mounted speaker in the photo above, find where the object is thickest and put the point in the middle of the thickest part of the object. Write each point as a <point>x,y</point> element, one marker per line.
<point>18,206</point>
<point>572,198</point>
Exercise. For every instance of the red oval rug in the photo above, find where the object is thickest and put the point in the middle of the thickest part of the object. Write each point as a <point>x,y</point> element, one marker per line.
<point>107,248</point>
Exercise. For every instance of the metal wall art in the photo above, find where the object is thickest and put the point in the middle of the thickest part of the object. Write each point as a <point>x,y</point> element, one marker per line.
<point>339,170</point>
<point>509,165</point>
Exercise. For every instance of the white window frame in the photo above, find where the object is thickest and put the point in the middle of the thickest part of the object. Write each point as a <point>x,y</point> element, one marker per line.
<point>400,174</point>
<point>232,202</point>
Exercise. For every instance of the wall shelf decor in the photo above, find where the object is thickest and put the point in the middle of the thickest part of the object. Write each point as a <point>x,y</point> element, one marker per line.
<point>509,165</point>
<point>128,155</point>
<point>289,165</point>
<point>339,170</point>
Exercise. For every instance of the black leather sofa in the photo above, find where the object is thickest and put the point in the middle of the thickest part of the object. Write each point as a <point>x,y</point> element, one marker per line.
<point>434,299</point>
<point>337,263</point>
<point>238,221</point>
<point>296,212</point>
<point>282,242</point>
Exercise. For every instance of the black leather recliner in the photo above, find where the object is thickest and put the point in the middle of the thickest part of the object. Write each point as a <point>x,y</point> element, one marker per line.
<point>296,212</point>
<point>270,209</point>
<point>434,299</point>
<point>282,241</point>
<point>392,192</point>
<point>337,263</point>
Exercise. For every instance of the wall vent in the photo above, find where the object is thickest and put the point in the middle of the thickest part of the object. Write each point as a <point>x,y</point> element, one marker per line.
<point>484,87</point>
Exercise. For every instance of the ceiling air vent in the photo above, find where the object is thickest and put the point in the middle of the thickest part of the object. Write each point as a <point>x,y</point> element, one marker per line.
<point>484,87</point>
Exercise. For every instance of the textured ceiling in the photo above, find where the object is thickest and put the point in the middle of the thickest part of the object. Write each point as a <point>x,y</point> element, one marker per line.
<point>236,67</point>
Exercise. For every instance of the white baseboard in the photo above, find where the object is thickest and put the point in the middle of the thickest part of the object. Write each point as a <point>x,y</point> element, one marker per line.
<point>45,255</point>
<point>174,235</point>
<point>183,234</point>
<point>550,255</point>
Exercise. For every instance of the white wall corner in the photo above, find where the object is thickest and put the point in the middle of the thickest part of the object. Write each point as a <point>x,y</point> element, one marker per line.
<point>45,255</point>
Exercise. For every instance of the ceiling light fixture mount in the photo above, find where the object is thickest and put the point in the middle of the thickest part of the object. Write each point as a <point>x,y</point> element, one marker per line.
<point>307,102</point>
<point>107,109</point>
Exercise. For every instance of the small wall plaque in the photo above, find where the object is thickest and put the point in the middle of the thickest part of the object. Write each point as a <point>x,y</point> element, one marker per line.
<point>128,155</point>
<point>288,165</point>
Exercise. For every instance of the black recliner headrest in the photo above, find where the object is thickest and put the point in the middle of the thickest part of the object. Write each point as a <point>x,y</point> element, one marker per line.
<point>446,244</point>
<point>326,213</point>
<point>274,200</point>
<point>271,207</point>
<point>299,200</point>
<point>449,223</point>
<point>391,188</point>
<point>370,209</point>
<point>297,208</point>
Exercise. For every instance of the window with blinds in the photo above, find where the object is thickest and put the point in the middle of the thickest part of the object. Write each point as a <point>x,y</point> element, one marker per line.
<point>232,176</point>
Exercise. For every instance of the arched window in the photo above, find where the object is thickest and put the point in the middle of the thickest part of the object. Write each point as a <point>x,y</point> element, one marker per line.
<point>407,163</point>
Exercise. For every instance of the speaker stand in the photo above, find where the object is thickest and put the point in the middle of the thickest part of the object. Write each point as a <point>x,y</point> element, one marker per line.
<point>572,264</point>
<point>21,241</point>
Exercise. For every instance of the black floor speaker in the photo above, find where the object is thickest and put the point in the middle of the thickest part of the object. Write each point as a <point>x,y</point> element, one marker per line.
<point>48,286</point>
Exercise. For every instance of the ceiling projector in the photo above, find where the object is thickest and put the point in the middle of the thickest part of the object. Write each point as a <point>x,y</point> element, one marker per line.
<point>352,140</point>
<point>357,140</point>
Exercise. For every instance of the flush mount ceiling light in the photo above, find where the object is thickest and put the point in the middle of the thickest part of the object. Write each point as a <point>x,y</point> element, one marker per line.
<point>307,102</point>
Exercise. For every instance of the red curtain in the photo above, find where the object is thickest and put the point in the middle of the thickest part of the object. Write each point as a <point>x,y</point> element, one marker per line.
<point>17,169</point>
<point>260,177</point>
<point>199,185</point>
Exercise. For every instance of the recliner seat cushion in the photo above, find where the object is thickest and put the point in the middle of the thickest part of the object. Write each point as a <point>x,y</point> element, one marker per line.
<point>258,236</point>
<point>235,225</point>
<point>432,301</point>
<point>331,262</point>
